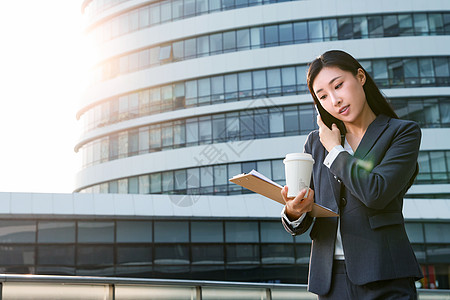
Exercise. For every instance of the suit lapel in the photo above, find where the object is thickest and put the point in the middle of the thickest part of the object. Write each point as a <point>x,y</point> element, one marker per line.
<point>336,189</point>
<point>333,203</point>
<point>373,132</point>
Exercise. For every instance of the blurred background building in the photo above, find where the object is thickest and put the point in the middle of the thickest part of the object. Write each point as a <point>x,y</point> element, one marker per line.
<point>188,93</point>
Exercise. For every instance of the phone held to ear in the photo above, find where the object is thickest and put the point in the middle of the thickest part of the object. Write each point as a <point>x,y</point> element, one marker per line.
<point>328,120</point>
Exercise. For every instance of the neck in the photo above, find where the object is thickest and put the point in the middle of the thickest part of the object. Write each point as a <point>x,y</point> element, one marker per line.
<point>359,126</point>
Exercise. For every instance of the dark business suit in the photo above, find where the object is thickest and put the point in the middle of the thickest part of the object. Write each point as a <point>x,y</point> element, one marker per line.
<point>375,179</point>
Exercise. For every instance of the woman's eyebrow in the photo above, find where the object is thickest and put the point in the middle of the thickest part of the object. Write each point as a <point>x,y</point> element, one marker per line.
<point>331,81</point>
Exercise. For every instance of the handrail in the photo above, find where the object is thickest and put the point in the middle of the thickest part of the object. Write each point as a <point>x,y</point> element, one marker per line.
<point>52,287</point>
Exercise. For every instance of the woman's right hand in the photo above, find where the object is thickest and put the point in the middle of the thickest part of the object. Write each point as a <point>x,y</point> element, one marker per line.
<point>296,207</point>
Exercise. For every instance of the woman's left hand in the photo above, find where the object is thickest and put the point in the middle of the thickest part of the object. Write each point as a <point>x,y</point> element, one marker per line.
<point>328,138</point>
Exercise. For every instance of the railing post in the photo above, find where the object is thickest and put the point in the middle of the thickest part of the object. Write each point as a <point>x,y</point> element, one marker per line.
<point>112,292</point>
<point>268,294</point>
<point>198,293</point>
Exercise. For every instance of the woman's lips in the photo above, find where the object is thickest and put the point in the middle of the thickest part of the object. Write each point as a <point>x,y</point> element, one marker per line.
<point>344,110</point>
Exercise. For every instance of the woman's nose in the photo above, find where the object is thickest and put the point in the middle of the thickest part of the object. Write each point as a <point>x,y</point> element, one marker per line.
<point>335,99</point>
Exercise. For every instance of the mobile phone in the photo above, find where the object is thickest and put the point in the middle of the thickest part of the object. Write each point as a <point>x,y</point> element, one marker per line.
<point>328,120</point>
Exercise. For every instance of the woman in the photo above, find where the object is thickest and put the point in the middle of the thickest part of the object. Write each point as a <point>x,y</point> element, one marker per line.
<point>365,161</point>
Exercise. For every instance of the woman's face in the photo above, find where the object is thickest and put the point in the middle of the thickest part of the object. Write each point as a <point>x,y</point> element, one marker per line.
<point>341,93</point>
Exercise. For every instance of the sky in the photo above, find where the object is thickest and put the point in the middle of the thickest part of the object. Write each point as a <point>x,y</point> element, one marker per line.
<point>42,62</point>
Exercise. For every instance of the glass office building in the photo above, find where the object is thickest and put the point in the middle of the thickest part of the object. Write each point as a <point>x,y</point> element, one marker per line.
<point>187,93</point>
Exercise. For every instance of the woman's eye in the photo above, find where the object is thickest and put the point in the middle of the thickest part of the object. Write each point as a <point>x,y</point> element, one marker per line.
<point>338,86</point>
<point>323,97</point>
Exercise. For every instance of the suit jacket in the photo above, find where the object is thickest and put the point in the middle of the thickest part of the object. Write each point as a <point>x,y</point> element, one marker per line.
<point>374,181</point>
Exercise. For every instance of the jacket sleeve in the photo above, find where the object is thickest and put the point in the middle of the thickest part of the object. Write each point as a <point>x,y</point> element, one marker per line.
<point>377,185</point>
<point>300,229</point>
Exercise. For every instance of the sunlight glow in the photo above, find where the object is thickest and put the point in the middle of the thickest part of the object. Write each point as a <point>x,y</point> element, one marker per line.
<point>43,60</point>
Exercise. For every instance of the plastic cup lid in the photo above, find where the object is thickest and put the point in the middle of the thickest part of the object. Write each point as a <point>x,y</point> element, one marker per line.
<point>298,156</point>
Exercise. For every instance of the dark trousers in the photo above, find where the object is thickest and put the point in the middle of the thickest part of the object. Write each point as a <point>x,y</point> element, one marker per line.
<point>343,289</point>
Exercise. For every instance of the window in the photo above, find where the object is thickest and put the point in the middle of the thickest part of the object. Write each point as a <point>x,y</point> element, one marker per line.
<point>155,183</point>
<point>276,123</point>
<point>166,11</point>
<point>205,130</point>
<point>189,8</point>
<point>274,81</point>
<point>202,7</point>
<point>204,91</point>
<point>271,35</point>
<point>17,231</point>
<point>245,85</point>
<point>257,37</point>
<point>243,39</point>
<point>177,9</point>
<point>420,24</point>
<point>246,125</point>
<point>95,255</point>
<point>217,89</point>
<point>190,48</point>
<point>219,130</point>
<point>345,31</point>
<point>192,131</point>
<point>134,255</point>
<point>231,86</point>
<point>391,26</point>
<point>207,254</point>
<point>191,93</point>
<point>241,232</point>
<point>232,126</point>
<point>134,231</point>
<point>56,232</point>
<point>243,254</point>
<point>229,41</point>
<point>144,17</point>
<point>178,51</point>
<point>405,24</point>
<point>360,28</point>
<point>144,184</point>
<point>167,182</point>
<point>286,34</point>
<point>133,185</point>
<point>193,180</point>
<point>180,181</point>
<point>203,46</point>
<point>315,31</point>
<point>300,32</point>
<point>375,24</point>
<point>330,30</point>
<point>95,232</point>
<point>288,80</point>
<point>61,255</point>
<point>215,41</point>
<point>259,83</point>
<point>220,179</point>
<point>165,53</point>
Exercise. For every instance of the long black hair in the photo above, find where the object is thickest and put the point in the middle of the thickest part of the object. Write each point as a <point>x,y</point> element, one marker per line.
<point>344,61</point>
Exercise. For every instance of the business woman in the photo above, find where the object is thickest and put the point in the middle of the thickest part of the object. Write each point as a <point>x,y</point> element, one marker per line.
<point>365,161</point>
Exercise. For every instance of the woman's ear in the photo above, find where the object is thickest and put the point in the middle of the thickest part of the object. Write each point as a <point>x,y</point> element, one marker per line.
<point>361,75</point>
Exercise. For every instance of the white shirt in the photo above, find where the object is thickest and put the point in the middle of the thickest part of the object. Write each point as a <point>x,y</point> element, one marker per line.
<point>328,161</point>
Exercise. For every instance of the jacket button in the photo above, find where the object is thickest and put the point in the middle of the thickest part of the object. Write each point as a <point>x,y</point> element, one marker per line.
<point>343,201</point>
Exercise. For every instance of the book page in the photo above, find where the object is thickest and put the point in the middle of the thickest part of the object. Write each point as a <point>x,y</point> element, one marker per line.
<point>261,176</point>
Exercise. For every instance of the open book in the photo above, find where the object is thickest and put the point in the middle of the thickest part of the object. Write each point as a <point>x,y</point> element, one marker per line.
<point>258,183</point>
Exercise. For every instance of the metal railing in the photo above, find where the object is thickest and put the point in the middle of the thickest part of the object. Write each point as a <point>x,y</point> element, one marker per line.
<point>36,287</point>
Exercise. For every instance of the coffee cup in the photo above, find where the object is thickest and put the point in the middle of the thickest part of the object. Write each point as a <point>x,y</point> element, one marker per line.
<point>298,168</point>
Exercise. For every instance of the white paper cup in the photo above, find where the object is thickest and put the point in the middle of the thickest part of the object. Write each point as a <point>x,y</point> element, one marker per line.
<point>298,168</point>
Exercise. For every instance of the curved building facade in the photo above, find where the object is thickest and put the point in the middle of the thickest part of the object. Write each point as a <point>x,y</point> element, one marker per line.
<point>188,93</point>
